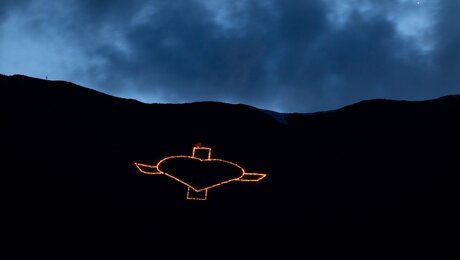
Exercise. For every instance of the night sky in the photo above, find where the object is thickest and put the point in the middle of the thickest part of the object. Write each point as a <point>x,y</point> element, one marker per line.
<point>286,55</point>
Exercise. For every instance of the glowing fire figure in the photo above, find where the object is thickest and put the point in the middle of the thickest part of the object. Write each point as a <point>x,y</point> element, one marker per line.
<point>187,170</point>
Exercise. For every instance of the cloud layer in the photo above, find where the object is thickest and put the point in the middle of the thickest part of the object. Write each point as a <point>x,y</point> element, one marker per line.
<point>288,56</point>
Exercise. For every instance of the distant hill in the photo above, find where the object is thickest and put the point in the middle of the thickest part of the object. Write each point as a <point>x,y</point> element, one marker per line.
<point>378,170</point>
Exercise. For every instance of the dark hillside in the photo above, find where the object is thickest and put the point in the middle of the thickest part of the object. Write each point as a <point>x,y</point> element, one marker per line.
<point>374,171</point>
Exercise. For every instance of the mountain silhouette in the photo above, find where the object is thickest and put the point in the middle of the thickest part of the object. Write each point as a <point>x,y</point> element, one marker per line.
<point>377,170</point>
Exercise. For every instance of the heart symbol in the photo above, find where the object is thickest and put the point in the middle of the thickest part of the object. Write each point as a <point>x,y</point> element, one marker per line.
<point>200,174</point>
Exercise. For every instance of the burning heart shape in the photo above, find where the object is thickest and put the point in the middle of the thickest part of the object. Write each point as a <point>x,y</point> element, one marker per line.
<point>199,173</point>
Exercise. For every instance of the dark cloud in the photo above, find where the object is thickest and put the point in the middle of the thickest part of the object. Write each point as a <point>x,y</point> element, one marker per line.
<point>447,58</point>
<point>282,55</point>
<point>9,6</point>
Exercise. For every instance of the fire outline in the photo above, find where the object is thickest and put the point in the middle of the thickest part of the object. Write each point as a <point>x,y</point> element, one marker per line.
<point>245,176</point>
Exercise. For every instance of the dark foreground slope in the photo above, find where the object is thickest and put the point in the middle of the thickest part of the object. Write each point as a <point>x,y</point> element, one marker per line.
<point>376,174</point>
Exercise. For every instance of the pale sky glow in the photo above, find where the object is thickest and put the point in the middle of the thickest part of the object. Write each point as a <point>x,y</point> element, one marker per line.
<point>417,23</point>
